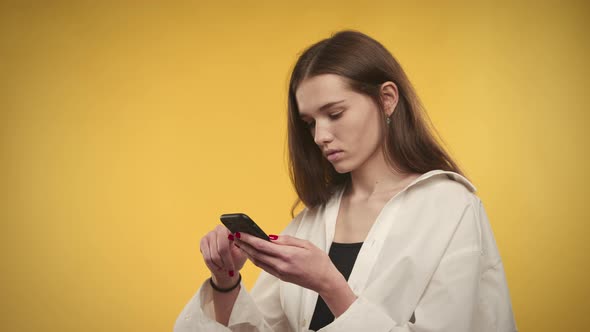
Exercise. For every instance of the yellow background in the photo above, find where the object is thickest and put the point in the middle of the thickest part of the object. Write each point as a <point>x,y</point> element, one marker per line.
<point>126,128</point>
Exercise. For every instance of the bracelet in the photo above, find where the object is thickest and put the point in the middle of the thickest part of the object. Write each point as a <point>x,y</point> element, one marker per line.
<point>226,290</point>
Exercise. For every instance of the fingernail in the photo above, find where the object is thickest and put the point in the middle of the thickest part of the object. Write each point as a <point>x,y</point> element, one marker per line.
<point>238,235</point>
<point>231,273</point>
<point>273,237</point>
<point>230,237</point>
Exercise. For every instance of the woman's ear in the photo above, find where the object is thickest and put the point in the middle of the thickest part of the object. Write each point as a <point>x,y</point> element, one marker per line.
<point>389,97</point>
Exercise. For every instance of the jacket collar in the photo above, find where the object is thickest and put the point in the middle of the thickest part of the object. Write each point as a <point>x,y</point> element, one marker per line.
<point>451,175</point>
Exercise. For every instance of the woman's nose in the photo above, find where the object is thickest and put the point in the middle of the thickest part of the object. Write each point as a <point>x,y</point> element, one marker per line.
<point>322,135</point>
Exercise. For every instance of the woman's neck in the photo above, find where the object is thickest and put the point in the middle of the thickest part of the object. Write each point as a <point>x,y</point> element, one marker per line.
<point>376,177</point>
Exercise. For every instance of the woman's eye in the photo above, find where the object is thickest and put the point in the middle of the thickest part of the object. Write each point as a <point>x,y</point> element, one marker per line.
<point>336,115</point>
<point>310,124</point>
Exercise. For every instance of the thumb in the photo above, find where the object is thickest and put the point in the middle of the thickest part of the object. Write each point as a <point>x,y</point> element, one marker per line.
<point>236,252</point>
<point>239,257</point>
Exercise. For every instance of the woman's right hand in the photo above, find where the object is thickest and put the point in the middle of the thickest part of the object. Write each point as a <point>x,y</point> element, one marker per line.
<point>222,257</point>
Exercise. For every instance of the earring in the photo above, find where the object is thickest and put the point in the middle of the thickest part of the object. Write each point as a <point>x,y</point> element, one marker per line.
<point>388,121</point>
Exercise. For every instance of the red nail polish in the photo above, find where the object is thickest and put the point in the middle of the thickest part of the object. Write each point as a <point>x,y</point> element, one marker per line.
<point>231,273</point>
<point>230,237</point>
<point>273,237</point>
<point>238,235</point>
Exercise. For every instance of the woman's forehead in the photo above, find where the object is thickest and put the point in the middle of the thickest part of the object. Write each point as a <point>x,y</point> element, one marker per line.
<point>317,91</point>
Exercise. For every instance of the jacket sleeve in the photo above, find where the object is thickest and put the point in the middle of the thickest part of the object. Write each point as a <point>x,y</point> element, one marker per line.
<point>258,311</point>
<point>250,314</point>
<point>452,300</point>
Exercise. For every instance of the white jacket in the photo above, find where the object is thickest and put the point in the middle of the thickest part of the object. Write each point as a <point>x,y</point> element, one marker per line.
<point>431,252</point>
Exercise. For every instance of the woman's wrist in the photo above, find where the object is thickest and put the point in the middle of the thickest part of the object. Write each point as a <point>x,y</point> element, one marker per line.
<point>225,292</point>
<point>226,289</point>
<point>337,294</point>
<point>225,282</point>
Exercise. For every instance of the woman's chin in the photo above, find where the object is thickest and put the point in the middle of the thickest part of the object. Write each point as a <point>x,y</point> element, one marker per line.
<point>342,169</point>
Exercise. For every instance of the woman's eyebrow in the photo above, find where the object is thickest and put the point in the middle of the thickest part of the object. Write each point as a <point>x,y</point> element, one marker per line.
<point>325,107</point>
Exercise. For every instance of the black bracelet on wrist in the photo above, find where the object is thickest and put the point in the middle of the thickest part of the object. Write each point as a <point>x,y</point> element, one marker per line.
<point>226,290</point>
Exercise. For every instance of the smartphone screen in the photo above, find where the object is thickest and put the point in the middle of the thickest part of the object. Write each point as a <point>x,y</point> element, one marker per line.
<point>240,222</point>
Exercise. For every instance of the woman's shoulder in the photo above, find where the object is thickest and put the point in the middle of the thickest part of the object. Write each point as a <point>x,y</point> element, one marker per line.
<point>440,200</point>
<point>446,185</point>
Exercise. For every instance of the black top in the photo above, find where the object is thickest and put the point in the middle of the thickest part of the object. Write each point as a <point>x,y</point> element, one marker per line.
<point>343,255</point>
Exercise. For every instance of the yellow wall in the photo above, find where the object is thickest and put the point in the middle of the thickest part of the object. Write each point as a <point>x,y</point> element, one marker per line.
<point>125,130</point>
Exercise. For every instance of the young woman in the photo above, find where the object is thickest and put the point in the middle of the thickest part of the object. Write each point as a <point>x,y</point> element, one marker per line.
<point>392,237</point>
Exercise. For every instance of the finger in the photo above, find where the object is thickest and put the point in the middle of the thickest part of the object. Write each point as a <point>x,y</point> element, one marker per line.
<point>215,257</point>
<point>206,252</point>
<point>247,249</point>
<point>260,258</point>
<point>223,248</point>
<point>251,252</point>
<point>269,268</point>
<point>289,241</point>
<point>258,244</point>
<point>235,251</point>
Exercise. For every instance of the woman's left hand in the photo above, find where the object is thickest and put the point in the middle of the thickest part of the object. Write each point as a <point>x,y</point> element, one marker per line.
<point>293,260</point>
<point>302,263</point>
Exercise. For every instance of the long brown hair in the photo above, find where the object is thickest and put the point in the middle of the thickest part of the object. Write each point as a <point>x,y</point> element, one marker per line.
<point>409,142</point>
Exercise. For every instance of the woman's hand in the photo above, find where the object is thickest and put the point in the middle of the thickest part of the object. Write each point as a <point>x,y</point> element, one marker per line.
<point>222,257</point>
<point>300,262</point>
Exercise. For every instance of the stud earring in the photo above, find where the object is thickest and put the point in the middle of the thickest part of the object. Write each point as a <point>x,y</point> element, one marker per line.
<point>388,121</point>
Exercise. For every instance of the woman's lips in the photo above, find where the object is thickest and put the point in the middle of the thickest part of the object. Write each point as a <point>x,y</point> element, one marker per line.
<point>333,156</point>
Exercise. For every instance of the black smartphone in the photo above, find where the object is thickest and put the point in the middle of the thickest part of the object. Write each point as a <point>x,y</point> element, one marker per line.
<point>240,222</point>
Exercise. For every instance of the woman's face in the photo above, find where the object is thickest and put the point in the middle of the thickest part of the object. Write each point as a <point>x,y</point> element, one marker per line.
<point>345,124</point>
